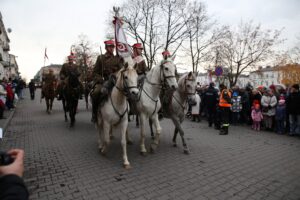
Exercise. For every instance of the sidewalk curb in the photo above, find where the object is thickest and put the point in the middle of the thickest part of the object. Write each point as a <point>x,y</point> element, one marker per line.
<point>7,121</point>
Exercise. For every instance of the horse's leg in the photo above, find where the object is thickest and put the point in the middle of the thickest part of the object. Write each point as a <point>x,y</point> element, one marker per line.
<point>142,134</point>
<point>86,97</point>
<point>71,113</point>
<point>151,128</point>
<point>157,127</point>
<point>128,139</point>
<point>100,135</point>
<point>122,127</point>
<point>174,137</point>
<point>47,104</point>
<point>65,109</point>
<point>51,104</point>
<point>105,131</point>
<point>137,121</point>
<point>177,122</point>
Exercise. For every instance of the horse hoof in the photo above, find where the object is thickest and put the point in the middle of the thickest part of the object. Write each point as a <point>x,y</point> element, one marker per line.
<point>186,151</point>
<point>174,145</point>
<point>153,147</point>
<point>128,166</point>
<point>143,153</point>
<point>129,142</point>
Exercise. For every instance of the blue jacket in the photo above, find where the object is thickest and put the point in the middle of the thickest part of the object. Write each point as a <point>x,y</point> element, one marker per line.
<point>280,112</point>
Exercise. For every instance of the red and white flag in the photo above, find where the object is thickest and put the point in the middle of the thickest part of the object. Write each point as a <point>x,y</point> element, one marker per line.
<point>122,47</point>
<point>46,56</point>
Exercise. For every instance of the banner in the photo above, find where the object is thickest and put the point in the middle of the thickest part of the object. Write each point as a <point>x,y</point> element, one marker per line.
<point>122,47</point>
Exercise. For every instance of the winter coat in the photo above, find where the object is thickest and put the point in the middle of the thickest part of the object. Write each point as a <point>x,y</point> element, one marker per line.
<point>210,97</point>
<point>196,107</point>
<point>268,102</point>
<point>236,105</point>
<point>256,115</point>
<point>293,103</point>
<point>280,112</point>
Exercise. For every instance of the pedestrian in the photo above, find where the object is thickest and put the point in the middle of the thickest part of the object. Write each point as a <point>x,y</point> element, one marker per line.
<point>293,107</point>
<point>196,107</point>
<point>236,107</point>
<point>32,89</point>
<point>280,116</point>
<point>256,116</point>
<point>12,186</point>
<point>224,105</point>
<point>210,101</point>
<point>3,94</point>
<point>268,103</point>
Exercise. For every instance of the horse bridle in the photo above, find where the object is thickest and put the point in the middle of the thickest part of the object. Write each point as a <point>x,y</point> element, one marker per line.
<point>162,83</point>
<point>126,92</point>
<point>126,89</point>
<point>185,87</point>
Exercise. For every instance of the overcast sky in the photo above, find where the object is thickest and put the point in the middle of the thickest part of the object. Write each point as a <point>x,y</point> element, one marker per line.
<point>56,24</point>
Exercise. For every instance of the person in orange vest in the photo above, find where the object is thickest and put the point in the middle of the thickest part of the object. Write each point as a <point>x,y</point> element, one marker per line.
<point>224,105</point>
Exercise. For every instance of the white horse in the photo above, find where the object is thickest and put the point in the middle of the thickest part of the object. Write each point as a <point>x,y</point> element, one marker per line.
<point>148,102</point>
<point>186,90</point>
<point>113,115</point>
<point>175,111</point>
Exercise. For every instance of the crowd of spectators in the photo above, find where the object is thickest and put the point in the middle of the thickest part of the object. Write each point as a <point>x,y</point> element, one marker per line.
<point>270,108</point>
<point>10,92</point>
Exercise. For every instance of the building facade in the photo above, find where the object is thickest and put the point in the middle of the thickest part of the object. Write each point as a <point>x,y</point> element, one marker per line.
<point>44,70</point>
<point>8,64</point>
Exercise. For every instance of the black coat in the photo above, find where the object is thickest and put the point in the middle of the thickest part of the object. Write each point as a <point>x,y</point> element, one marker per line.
<point>12,187</point>
<point>210,97</point>
<point>293,103</point>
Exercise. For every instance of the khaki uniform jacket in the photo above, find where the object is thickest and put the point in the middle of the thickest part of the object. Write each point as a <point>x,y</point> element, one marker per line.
<point>66,69</point>
<point>107,63</point>
<point>140,65</point>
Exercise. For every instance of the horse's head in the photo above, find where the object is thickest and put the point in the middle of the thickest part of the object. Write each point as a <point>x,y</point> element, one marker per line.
<point>127,81</point>
<point>168,69</point>
<point>187,85</point>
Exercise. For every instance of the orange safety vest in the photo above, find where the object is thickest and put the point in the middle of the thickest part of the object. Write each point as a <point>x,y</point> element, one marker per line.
<point>223,102</point>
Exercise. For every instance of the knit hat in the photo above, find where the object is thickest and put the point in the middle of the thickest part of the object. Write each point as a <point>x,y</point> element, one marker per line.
<point>281,101</point>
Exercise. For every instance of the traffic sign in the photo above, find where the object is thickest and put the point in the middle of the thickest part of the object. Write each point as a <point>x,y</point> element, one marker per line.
<point>218,71</point>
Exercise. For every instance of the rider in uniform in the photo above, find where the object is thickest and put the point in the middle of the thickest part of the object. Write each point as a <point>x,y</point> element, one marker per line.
<point>139,62</point>
<point>166,93</point>
<point>103,75</point>
<point>48,79</point>
<point>66,69</point>
<point>224,105</point>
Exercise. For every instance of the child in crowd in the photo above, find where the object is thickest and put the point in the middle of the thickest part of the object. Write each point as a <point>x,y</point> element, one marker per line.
<point>280,116</point>
<point>256,117</point>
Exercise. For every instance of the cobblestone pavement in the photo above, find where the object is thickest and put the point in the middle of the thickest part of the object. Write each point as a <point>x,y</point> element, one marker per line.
<point>64,163</point>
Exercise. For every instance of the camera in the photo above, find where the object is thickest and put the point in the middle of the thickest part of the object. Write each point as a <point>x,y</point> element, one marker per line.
<point>5,158</point>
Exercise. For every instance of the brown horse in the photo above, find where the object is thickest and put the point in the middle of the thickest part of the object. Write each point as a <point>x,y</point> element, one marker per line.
<point>49,93</point>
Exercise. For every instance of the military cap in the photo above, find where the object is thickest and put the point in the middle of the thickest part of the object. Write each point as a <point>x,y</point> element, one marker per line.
<point>166,53</point>
<point>109,43</point>
<point>137,46</point>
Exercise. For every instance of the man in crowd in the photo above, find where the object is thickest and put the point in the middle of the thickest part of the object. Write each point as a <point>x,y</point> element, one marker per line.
<point>210,102</point>
<point>224,105</point>
<point>293,108</point>
<point>106,65</point>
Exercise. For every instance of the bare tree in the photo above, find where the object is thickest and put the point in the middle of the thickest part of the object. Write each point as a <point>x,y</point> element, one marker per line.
<point>143,25</point>
<point>173,26</point>
<point>200,35</point>
<point>246,47</point>
<point>85,54</point>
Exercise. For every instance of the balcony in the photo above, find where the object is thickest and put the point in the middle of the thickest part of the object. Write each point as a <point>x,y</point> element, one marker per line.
<point>6,47</point>
<point>5,63</point>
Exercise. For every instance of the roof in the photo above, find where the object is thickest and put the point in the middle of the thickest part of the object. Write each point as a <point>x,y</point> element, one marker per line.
<point>2,27</point>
